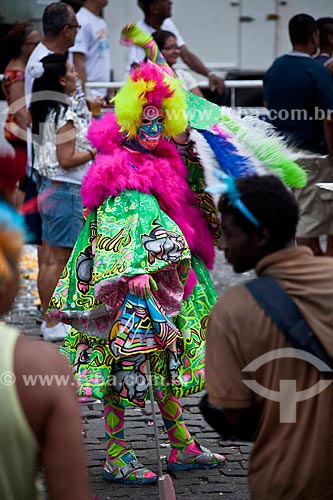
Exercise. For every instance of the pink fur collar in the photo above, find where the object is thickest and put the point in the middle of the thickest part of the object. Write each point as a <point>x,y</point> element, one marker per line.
<point>163,175</point>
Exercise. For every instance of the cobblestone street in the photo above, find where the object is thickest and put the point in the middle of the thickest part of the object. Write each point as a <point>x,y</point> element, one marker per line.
<point>229,482</point>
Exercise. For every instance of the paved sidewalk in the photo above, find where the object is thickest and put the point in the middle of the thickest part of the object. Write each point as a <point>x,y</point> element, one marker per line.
<point>229,482</point>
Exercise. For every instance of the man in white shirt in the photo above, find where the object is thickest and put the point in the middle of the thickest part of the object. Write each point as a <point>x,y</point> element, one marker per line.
<point>157,17</point>
<point>60,27</point>
<point>91,52</point>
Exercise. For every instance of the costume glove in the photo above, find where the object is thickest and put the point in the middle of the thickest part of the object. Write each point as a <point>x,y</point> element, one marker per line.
<point>131,34</point>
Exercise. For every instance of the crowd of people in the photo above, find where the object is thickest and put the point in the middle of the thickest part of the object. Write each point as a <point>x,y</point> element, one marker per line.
<point>126,227</point>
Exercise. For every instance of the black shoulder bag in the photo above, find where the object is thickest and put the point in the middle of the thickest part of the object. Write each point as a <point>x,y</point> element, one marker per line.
<point>278,305</point>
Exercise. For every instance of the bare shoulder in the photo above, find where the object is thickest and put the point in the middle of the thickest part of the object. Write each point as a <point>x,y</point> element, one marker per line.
<point>37,356</point>
<point>45,384</point>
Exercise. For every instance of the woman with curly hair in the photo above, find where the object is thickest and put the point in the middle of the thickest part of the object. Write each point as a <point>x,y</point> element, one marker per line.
<point>20,41</point>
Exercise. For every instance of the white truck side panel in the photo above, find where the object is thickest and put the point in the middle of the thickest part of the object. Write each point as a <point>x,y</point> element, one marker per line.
<point>213,29</point>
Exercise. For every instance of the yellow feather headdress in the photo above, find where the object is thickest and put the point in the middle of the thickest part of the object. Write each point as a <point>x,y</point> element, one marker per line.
<point>148,85</point>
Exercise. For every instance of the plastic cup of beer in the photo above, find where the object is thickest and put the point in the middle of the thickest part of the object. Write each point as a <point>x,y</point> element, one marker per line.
<point>95,105</point>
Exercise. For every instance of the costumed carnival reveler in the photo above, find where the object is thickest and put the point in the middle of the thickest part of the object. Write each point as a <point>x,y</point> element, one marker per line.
<point>137,283</point>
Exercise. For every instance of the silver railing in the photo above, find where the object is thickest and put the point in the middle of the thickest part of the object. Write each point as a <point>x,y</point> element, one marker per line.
<point>220,67</point>
<point>233,85</point>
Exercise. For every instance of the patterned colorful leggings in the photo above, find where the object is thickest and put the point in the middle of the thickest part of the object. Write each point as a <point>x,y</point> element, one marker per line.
<point>171,411</point>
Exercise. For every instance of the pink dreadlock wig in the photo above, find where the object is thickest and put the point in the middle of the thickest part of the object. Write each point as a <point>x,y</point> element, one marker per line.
<point>148,85</point>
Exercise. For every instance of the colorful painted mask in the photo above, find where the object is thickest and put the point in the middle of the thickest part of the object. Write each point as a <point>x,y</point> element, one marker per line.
<point>151,127</point>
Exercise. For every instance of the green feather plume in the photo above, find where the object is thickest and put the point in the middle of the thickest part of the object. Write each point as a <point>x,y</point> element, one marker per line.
<point>267,146</point>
